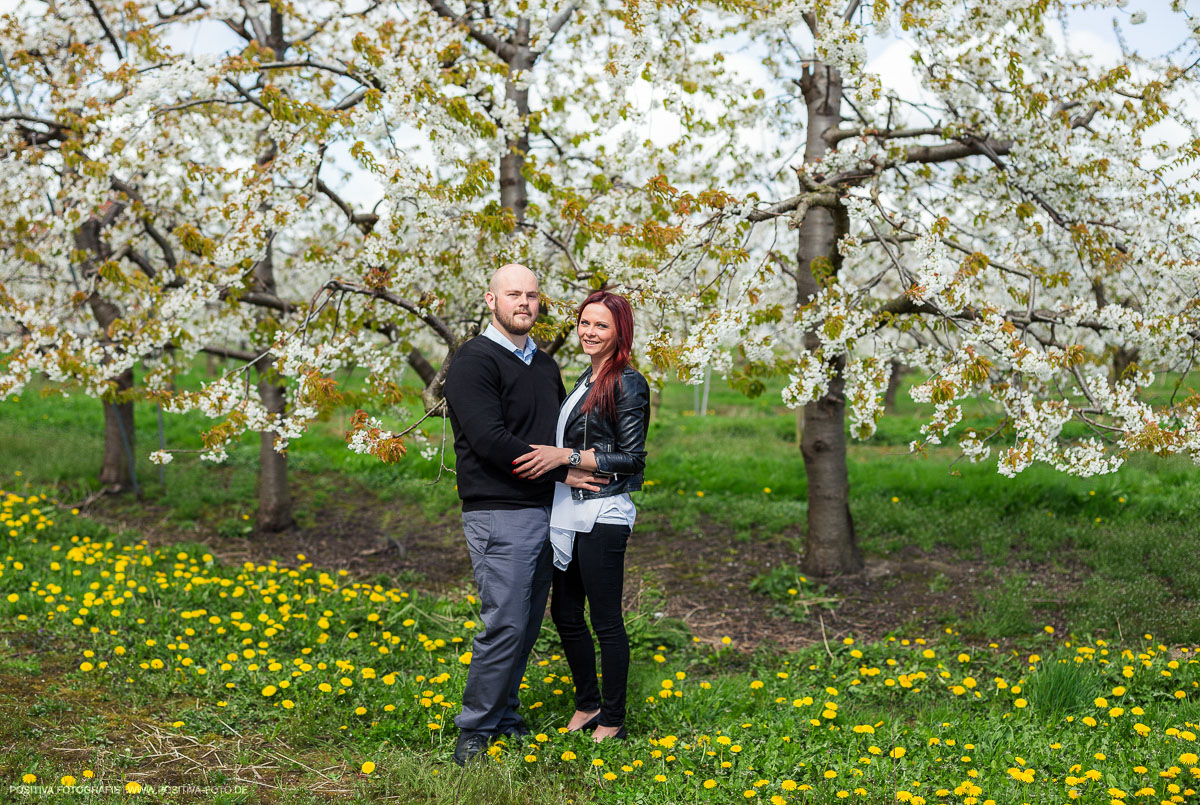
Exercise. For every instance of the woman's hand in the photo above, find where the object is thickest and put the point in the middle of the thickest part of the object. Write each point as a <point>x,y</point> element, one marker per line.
<point>540,460</point>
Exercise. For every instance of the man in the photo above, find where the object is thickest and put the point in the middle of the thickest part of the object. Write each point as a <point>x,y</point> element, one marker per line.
<point>504,395</point>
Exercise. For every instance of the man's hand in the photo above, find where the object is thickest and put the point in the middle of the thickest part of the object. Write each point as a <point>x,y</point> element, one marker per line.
<point>540,460</point>
<point>582,479</point>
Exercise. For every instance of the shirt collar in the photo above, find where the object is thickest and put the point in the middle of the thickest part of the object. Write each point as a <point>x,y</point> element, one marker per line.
<point>526,354</point>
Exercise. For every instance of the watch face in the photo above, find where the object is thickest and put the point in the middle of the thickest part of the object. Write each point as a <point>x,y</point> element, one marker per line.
<point>575,458</point>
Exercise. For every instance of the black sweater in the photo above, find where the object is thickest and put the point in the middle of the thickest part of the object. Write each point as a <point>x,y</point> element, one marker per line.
<point>498,408</point>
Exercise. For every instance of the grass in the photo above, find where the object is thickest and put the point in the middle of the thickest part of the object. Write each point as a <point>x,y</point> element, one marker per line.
<point>161,667</point>
<point>1123,545</point>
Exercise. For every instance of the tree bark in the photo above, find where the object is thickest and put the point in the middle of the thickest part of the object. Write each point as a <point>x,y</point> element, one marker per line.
<point>274,496</point>
<point>421,366</point>
<point>512,181</point>
<point>1121,361</point>
<point>831,546</point>
<point>893,386</point>
<point>115,469</point>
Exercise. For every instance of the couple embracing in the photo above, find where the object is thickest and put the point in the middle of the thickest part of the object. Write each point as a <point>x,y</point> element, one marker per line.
<point>544,478</point>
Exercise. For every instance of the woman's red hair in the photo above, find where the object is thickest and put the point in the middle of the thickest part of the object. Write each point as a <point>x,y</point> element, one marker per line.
<point>603,397</point>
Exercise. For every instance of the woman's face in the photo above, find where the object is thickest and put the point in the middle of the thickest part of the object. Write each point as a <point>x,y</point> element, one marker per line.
<point>597,332</point>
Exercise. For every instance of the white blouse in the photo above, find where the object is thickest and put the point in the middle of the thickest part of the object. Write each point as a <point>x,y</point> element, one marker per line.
<point>570,516</point>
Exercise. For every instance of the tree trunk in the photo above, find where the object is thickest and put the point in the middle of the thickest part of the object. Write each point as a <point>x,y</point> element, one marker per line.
<point>274,497</point>
<point>115,469</point>
<point>893,386</point>
<point>512,180</point>
<point>831,546</point>
<point>1121,361</point>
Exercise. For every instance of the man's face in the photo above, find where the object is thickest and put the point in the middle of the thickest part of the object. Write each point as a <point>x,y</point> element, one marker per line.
<point>514,302</point>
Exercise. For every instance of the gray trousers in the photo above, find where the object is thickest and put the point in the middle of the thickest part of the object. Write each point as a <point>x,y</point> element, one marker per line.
<point>511,556</point>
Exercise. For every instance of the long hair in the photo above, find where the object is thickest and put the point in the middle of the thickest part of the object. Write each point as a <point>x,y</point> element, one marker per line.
<point>603,397</point>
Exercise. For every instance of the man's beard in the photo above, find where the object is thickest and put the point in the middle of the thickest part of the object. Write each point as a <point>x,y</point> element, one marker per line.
<point>509,323</point>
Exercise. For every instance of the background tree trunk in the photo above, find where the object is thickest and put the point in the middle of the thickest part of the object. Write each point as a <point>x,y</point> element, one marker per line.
<point>893,386</point>
<point>512,181</point>
<point>115,469</point>
<point>274,496</point>
<point>831,546</point>
<point>1121,361</point>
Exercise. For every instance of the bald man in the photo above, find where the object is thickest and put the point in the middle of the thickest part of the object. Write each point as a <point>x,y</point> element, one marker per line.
<point>504,395</point>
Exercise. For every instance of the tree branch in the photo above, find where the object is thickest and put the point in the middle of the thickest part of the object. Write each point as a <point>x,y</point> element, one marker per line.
<point>363,220</point>
<point>969,146</point>
<point>238,89</point>
<point>331,68</point>
<point>229,352</point>
<point>835,136</point>
<point>493,43</point>
<point>823,197</point>
<point>107,31</point>
<point>261,299</point>
<point>421,366</point>
<point>198,102</point>
<point>260,32</point>
<point>435,323</point>
<point>560,19</point>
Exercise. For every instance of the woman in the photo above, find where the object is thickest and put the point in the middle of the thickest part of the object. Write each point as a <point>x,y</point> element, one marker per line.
<point>601,428</point>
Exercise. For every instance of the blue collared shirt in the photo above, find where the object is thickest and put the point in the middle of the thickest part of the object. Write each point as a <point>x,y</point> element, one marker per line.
<point>526,354</point>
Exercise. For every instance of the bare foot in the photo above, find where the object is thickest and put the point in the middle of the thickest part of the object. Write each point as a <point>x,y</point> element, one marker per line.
<point>604,732</point>
<point>580,718</point>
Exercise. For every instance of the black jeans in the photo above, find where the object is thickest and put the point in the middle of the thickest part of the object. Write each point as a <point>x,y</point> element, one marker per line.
<point>596,575</point>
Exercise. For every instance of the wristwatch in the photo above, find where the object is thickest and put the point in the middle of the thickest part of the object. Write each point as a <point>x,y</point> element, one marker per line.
<point>574,458</point>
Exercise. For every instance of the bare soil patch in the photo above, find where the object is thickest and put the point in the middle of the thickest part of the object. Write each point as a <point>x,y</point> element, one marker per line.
<point>699,575</point>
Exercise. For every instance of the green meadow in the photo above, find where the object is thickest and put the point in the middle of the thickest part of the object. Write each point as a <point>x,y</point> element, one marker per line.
<point>161,643</point>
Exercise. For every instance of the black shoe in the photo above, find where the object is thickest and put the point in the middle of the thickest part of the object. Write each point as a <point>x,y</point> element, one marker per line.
<point>470,744</point>
<point>518,731</point>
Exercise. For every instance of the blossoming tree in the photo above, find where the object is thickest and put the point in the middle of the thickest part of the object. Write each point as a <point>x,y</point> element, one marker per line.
<point>202,201</point>
<point>1010,226</point>
<point>334,187</point>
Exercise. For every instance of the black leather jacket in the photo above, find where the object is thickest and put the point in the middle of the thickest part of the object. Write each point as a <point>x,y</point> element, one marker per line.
<point>620,445</point>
